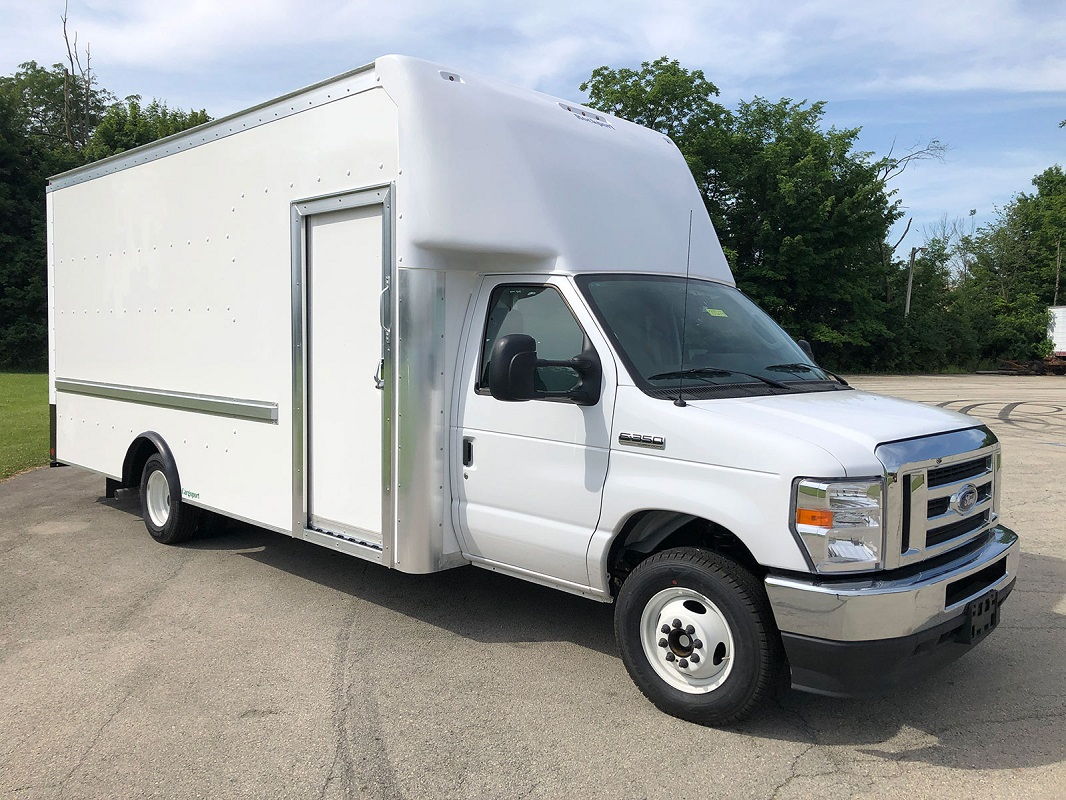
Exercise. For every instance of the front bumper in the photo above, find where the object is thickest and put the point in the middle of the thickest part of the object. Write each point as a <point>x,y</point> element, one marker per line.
<point>867,634</point>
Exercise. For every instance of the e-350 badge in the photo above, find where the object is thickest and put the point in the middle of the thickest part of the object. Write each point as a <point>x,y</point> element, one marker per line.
<point>642,440</point>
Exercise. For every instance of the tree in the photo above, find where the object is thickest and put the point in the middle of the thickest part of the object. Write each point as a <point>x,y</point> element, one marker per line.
<point>128,125</point>
<point>936,334</point>
<point>801,214</point>
<point>1011,274</point>
<point>662,95</point>
<point>23,294</point>
<point>41,100</point>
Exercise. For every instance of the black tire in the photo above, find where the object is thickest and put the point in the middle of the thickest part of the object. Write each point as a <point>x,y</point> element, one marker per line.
<point>740,598</point>
<point>182,520</point>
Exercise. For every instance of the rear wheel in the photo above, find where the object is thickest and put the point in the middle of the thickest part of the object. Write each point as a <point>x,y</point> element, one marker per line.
<point>697,635</point>
<point>166,517</point>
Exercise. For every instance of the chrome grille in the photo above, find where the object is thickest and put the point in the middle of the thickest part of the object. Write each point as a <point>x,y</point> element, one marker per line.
<point>953,530</point>
<point>928,481</point>
<point>953,473</point>
<point>938,506</point>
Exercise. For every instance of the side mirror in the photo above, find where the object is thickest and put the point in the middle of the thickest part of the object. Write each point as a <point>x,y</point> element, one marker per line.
<point>513,366</point>
<point>805,346</point>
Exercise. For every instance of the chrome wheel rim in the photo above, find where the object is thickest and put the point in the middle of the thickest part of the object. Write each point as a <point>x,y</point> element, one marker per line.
<point>158,500</point>
<point>687,640</point>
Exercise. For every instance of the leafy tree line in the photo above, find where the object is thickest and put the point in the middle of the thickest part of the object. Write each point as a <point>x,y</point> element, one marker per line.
<point>804,218</point>
<point>51,120</point>
<point>805,221</point>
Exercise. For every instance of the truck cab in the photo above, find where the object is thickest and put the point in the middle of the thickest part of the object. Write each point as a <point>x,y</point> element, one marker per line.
<point>862,531</point>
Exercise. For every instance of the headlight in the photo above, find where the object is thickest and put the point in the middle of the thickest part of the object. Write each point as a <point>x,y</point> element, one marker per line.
<point>839,522</point>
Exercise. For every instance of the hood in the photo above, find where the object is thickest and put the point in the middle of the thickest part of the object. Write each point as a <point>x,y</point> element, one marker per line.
<point>848,424</point>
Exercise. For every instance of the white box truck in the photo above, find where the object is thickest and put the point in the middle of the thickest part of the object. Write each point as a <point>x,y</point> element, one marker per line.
<point>429,320</point>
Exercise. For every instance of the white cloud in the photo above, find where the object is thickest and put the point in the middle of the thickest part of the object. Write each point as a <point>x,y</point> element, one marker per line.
<point>857,47</point>
<point>227,54</point>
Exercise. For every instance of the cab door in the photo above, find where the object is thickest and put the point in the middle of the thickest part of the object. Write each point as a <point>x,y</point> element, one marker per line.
<point>530,474</point>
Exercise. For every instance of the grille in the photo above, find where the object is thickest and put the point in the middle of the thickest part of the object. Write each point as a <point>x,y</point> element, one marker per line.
<point>953,473</point>
<point>940,505</point>
<point>954,530</point>
<point>919,501</point>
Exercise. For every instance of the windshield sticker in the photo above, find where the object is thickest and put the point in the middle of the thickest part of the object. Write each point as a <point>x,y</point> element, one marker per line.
<point>716,312</point>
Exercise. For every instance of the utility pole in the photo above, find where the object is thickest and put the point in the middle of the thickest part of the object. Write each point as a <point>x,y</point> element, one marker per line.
<point>910,281</point>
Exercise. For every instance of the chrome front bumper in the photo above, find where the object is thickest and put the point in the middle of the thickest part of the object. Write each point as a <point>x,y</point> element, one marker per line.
<point>872,608</point>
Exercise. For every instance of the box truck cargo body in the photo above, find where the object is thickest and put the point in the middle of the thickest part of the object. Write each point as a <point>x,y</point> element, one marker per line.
<point>430,320</point>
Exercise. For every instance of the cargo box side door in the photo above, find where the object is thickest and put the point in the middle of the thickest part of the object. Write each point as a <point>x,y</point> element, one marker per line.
<point>347,464</point>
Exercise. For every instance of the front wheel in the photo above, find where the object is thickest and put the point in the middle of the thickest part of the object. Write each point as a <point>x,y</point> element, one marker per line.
<point>697,635</point>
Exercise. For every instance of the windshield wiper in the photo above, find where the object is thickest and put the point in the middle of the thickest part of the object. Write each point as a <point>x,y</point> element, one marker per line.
<point>800,367</point>
<point>702,371</point>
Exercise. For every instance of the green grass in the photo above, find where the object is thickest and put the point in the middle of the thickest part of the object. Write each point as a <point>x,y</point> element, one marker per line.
<point>23,422</point>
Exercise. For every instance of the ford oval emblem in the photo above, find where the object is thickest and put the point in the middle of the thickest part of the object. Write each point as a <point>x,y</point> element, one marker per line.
<point>964,499</point>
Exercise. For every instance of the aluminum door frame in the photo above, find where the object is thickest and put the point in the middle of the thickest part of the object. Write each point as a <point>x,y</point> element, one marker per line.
<point>300,212</point>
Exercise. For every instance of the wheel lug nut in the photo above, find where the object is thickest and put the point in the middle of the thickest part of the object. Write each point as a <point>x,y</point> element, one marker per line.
<point>669,656</point>
<point>676,623</point>
<point>698,644</point>
<point>662,643</point>
<point>682,663</point>
<point>694,658</point>
<point>689,630</point>
<point>665,628</point>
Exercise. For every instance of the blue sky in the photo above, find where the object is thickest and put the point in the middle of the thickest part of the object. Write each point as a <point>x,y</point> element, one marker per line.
<point>988,78</point>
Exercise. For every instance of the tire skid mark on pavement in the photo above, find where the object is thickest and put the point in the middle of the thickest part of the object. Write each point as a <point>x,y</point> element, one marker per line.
<point>1032,417</point>
<point>361,765</point>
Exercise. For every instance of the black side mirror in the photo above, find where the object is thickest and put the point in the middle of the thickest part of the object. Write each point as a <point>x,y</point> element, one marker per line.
<point>805,346</point>
<point>513,367</point>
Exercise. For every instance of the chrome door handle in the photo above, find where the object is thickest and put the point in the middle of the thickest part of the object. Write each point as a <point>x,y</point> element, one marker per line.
<point>383,305</point>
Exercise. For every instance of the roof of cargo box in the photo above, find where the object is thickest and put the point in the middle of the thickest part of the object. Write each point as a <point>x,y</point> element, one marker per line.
<point>506,176</point>
<point>497,177</point>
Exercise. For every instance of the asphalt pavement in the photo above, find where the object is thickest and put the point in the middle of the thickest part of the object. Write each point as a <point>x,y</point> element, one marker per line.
<point>249,664</point>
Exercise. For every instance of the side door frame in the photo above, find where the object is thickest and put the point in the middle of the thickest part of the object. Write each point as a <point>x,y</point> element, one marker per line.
<point>301,211</point>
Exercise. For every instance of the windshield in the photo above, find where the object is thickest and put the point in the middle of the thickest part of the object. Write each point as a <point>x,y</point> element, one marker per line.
<point>731,347</point>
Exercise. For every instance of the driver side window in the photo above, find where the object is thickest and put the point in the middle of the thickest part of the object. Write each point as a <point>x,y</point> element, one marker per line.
<point>538,311</point>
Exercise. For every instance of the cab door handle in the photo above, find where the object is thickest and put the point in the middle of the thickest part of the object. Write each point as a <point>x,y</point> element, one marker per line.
<point>468,451</point>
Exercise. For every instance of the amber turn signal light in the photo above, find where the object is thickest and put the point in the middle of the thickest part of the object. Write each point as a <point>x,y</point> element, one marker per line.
<point>814,516</point>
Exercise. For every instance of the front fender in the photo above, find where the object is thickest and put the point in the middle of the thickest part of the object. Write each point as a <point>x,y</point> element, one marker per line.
<point>753,505</point>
